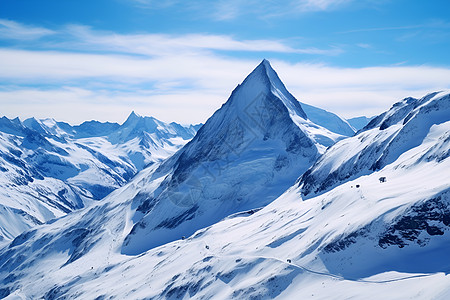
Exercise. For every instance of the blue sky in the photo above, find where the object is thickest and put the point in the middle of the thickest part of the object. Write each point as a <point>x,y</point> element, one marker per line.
<point>179,60</point>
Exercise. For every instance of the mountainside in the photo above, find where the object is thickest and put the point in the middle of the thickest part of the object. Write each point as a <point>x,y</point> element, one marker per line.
<point>365,238</point>
<point>378,144</point>
<point>359,122</point>
<point>248,153</point>
<point>49,168</point>
<point>27,198</point>
<point>329,120</point>
<point>262,203</point>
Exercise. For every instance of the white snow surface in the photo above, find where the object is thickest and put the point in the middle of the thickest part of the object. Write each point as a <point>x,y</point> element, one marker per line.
<point>329,120</point>
<point>49,168</point>
<point>222,218</point>
<point>359,122</point>
<point>246,155</point>
<point>386,137</point>
<point>382,240</point>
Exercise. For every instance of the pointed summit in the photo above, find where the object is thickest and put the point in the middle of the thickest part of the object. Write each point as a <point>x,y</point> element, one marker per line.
<point>14,126</point>
<point>263,80</point>
<point>270,73</point>
<point>133,117</point>
<point>318,116</point>
<point>247,153</point>
<point>264,66</point>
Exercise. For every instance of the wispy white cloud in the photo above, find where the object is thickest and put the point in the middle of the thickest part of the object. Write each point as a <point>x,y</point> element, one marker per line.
<point>225,10</point>
<point>435,24</point>
<point>163,44</point>
<point>76,105</point>
<point>383,29</point>
<point>91,74</point>
<point>40,67</point>
<point>83,38</point>
<point>189,88</point>
<point>17,31</point>
<point>356,91</point>
<point>364,45</point>
<point>318,5</point>
<point>232,9</point>
<point>155,4</point>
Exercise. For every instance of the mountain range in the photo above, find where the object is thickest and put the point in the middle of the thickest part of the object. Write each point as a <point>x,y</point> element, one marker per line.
<point>269,198</point>
<point>49,168</point>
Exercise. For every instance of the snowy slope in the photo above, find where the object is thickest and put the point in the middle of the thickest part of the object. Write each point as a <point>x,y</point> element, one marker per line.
<point>27,198</point>
<point>49,168</point>
<point>359,122</point>
<point>382,240</point>
<point>248,153</point>
<point>329,120</point>
<point>378,144</point>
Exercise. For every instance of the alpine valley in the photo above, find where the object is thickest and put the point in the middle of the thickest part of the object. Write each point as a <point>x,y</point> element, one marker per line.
<point>270,198</point>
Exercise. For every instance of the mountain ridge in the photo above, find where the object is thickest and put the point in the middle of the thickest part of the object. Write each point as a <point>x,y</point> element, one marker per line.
<point>377,230</point>
<point>49,169</point>
<point>355,242</point>
<point>261,126</point>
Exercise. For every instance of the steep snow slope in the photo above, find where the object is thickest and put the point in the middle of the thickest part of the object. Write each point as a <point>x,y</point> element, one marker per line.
<point>329,120</point>
<point>26,197</point>
<point>92,129</point>
<point>50,168</point>
<point>248,153</point>
<point>380,143</point>
<point>359,122</point>
<point>384,240</point>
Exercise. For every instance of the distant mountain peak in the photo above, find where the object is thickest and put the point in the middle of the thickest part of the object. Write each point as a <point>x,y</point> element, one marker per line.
<point>132,117</point>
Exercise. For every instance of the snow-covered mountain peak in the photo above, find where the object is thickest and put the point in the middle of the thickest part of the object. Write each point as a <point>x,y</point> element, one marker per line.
<point>380,143</point>
<point>133,118</point>
<point>249,152</point>
<point>14,126</point>
<point>46,127</point>
<point>264,81</point>
<point>400,110</point>
<point>134,126</point>
<point>149,131</point>
<point>257,110</point>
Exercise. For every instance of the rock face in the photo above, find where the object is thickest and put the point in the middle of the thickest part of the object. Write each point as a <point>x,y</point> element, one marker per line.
<point>419,224</point>
<point>246,155</point>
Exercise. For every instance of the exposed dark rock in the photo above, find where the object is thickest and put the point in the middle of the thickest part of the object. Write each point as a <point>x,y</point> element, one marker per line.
<point>422,221</point>
<point>345,241</point>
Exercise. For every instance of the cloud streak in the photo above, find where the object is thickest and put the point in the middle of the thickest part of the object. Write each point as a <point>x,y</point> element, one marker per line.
<point>231,9</point>
<point>318,5</point>
<point>437,24</point>
<point>227,10</point>
<point>163,44</point>
<point>17,31</point>
<point>91,74</point>
<point>189,88</point>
